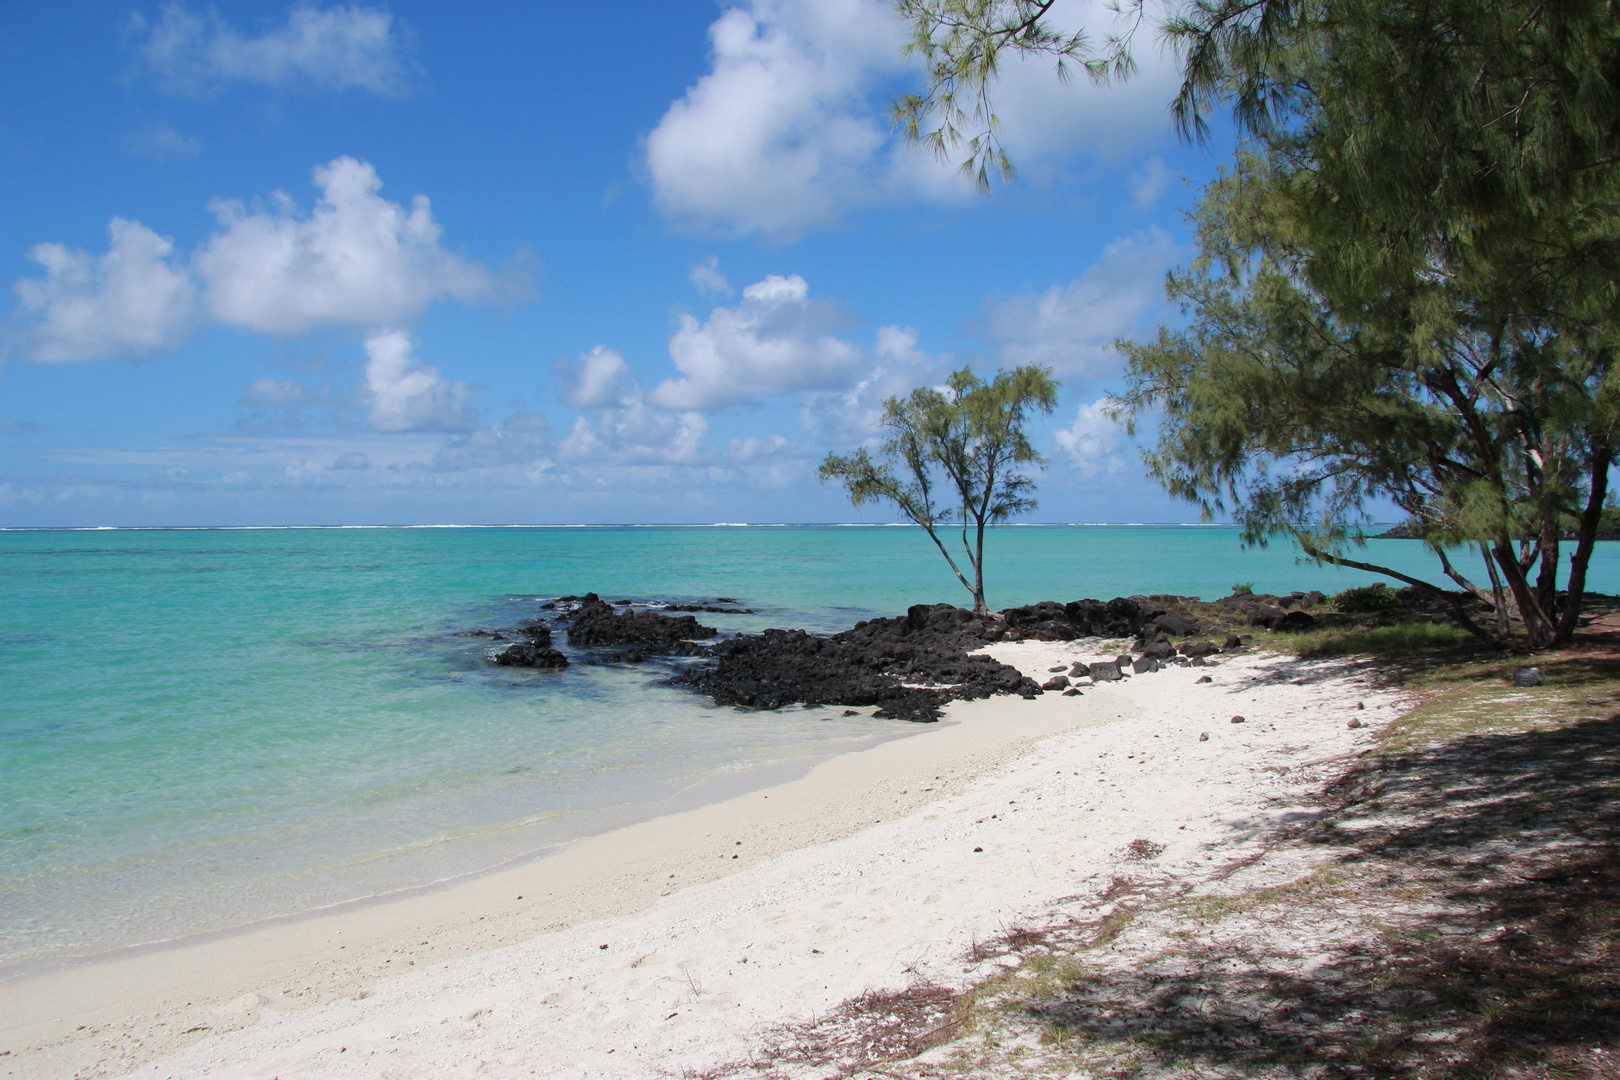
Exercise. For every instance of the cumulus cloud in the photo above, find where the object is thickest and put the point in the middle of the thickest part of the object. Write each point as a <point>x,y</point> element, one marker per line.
<point>355,260</point>
<point>337,48</point>
<point>409,395</point>
<point>855,413</point>
<point>1095,444</point>
<point>777,341</point>
<point>1070,327</point>
<point>637,434</point>
<point>787,131</point>
<point>780,133</point>
<point>598,379</point>
<point>132,301</point>
<point>709,280</point>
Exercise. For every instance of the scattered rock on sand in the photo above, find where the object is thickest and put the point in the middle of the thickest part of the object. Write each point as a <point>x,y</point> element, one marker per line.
<point>1105,672</point>
<point>1355,722</point>
<point>1056,682</point>
<point>1237,720</point>
<point>1529,676</point>
<point>1205,678</point>
<point>1144,664</point>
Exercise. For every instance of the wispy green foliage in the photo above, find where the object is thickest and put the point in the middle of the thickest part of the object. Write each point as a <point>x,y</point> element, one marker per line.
<point>955,454</point>
<point>960,43</point>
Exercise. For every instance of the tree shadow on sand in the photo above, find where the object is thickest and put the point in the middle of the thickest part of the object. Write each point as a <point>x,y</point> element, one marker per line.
<point>1494,858</point>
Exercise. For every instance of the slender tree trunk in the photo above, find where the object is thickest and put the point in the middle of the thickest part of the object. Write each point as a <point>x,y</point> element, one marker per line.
<point>1585,539</point>
<point>978,594</point>
<point>1547,580</point>
<point>1538,629</point>
<point>1504,623</point>
<point>979,606</point>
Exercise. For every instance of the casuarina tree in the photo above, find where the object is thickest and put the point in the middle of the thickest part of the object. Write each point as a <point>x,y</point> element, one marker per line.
<point>956,454</point>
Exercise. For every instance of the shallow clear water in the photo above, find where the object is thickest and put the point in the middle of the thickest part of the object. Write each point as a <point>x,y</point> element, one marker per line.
<point>202,728</point>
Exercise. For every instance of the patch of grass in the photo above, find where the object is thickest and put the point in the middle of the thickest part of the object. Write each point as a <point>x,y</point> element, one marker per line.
<point>1367,598</point>
<point>1402,639</point>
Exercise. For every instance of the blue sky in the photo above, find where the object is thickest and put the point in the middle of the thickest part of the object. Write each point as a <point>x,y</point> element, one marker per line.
<point>358,264</point>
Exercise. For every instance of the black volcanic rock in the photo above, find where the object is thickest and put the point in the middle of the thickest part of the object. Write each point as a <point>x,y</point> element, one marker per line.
<point>538,634</point>
<point>532,656</point>
<point>870,664</point>
<point>596,623</point>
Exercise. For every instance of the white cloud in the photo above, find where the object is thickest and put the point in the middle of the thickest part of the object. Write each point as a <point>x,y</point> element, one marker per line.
<point>775,342</point>
<point>1071,328</point>
<point>352,459</point>
<point>754,449</point>
<point>780,135</point>
<point>337,48</point>
<point>356,260</point>
<point>409,395</point>
<point>132,301</point>
<point>598,380</point>
<point>709,280</point>
<point>160,142</point>
<point>787,131</point>
<point>1148,182</point>
<point>855,414</point>
<point>636,434</point>
<point>1095,444</point>
<point>1047,119</point>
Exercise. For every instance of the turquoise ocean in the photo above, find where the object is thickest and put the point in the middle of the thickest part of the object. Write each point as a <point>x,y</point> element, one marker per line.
<point>201,729</point>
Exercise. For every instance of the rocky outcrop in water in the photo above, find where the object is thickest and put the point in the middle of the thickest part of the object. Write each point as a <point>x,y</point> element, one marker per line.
<point>596,623</point>
<point>530,656</point>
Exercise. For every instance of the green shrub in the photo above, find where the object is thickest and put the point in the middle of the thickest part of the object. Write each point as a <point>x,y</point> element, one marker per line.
<point>1242,588</point>
<point>1367,598</point>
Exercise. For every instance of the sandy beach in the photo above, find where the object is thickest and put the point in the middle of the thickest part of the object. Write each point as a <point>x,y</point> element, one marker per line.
<point>679,944</point>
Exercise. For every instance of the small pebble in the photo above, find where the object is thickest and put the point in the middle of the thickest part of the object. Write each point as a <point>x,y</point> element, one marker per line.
<point>1238,720</point>
<point>1361,704</point>
<point>1205,678</point>
<point>1354,723</point>
<point>975,849</point>
<point>1203,736</point>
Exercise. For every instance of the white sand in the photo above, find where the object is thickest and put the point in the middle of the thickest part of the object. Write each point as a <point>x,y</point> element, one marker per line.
<point>862,875</point>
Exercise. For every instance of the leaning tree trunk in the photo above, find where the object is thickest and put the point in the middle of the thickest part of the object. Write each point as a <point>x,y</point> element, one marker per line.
<point>1538,629</point>
<point>1585,539</point>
